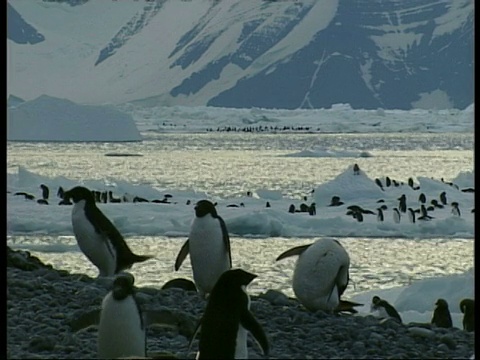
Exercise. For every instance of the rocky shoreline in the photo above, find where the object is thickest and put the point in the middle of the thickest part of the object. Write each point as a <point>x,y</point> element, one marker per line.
<point>41,301</point>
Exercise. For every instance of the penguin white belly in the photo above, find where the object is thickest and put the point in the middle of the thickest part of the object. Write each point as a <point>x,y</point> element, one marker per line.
<point>241,351</point>
<point>99,251</point>
<point>315,273</point>
<point>208,255</point>
<point>120,333</point>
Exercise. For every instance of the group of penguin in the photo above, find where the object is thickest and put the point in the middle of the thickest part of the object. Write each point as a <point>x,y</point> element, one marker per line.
<point>320,278</point>
<point>441,315</point>
<point>99,196</point>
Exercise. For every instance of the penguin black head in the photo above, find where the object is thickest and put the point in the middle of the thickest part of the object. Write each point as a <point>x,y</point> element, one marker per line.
<point>204,207</point>
<point>441,304</point>
<point>234,278</point>
<point>123,286</point>
<point>375,300</point>
<point>79,193</point>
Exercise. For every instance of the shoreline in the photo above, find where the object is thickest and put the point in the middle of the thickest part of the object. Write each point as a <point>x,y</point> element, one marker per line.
<point>41,301</point>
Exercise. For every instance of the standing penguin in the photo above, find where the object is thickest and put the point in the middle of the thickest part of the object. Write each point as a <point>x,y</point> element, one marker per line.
<point>121,324</point>
<point>402,205</point>
<point>97,237</point>
<point>467,307</point>
<point>441,314</point>
<point>396,215</point>
<point>227,318</point>
<point>384,309</point>
<point>455,209</point>
<point>321,274</point>
<point>209,246</point>
<point>45,191</point>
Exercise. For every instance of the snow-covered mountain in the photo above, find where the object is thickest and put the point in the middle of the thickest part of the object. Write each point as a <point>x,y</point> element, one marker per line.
<point>392,54</point>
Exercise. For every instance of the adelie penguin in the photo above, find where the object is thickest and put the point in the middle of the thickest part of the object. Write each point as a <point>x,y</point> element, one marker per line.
<point>455,209</point>
<point>227,319</point>
<point>121,323</point>
<point>396,215</point>
<point>441,315</point>
<point>97,237</point>
<point>209,246</point>
<point>321,275</point>
<point>402,205</point>
<point>384,309</point>
<point>467,307</point>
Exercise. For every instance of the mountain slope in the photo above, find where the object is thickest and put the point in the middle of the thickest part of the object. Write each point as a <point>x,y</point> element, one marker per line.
<point>246,53</point>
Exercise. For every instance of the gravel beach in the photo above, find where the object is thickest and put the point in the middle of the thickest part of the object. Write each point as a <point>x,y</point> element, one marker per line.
<point>41,301</point>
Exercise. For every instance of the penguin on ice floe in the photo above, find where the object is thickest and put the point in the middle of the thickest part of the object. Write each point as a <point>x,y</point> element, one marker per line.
<point>97,237</point>
<point>209,246</point>
<point>321,274</point>
<point>227,319</point>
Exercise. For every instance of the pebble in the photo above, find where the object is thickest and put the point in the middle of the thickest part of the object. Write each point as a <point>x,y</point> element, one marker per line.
<point>42,301</point>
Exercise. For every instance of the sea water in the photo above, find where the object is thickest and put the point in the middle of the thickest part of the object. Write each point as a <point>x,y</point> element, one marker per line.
<point>228,165</point>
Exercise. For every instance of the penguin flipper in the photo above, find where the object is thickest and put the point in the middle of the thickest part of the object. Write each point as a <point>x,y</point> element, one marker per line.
<point>195,333</point>
<point>347,306</point>
<point>251,324</point>
<point>91,318</point>
<point>182,255</point>
<point>226,239</point>
<point>293,251</point>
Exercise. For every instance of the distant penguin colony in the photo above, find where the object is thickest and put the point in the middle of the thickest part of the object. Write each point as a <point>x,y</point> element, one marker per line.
<point>209,247</point>
<point>321,274</point>
<point>227,319</point>
<point>97,237</point>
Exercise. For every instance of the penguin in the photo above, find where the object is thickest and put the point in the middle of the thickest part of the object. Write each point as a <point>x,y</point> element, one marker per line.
<point>424,212</point>
<point>455,209</point>
<point>291,209</point>
<point>26,195</point>
<point>97,237</point>
<point>402,206</point>
<point>356,169</point>
<point>209,246</point>
<point>103,197</point>
<point>60,192</point>
<point>45,191</point>
<point>411,215</point>
<point>384,309</point>
<point>267,204</point>
<point>436,204</point>
<point>42,201</point>
<point>396,215</point>
<point>312,210</point>
<point>380,216</point>
<point>441,315</point>
<point>113,199</point>
<point>467,307</point>
<point>410,182</point>
<point>227,319</point>
<point>388,181</point>
<point>422,198</point>
<point>321,274</point>
<point>379,183</point>
<point>443,198</point>
<point>139,199</point>
<point>180,283</point>
<point>121,323</point>
<point>336,201</point>
<point>303,207</point>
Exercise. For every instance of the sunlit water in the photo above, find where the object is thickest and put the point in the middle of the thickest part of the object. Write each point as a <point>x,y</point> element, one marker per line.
<point>230,164</point>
